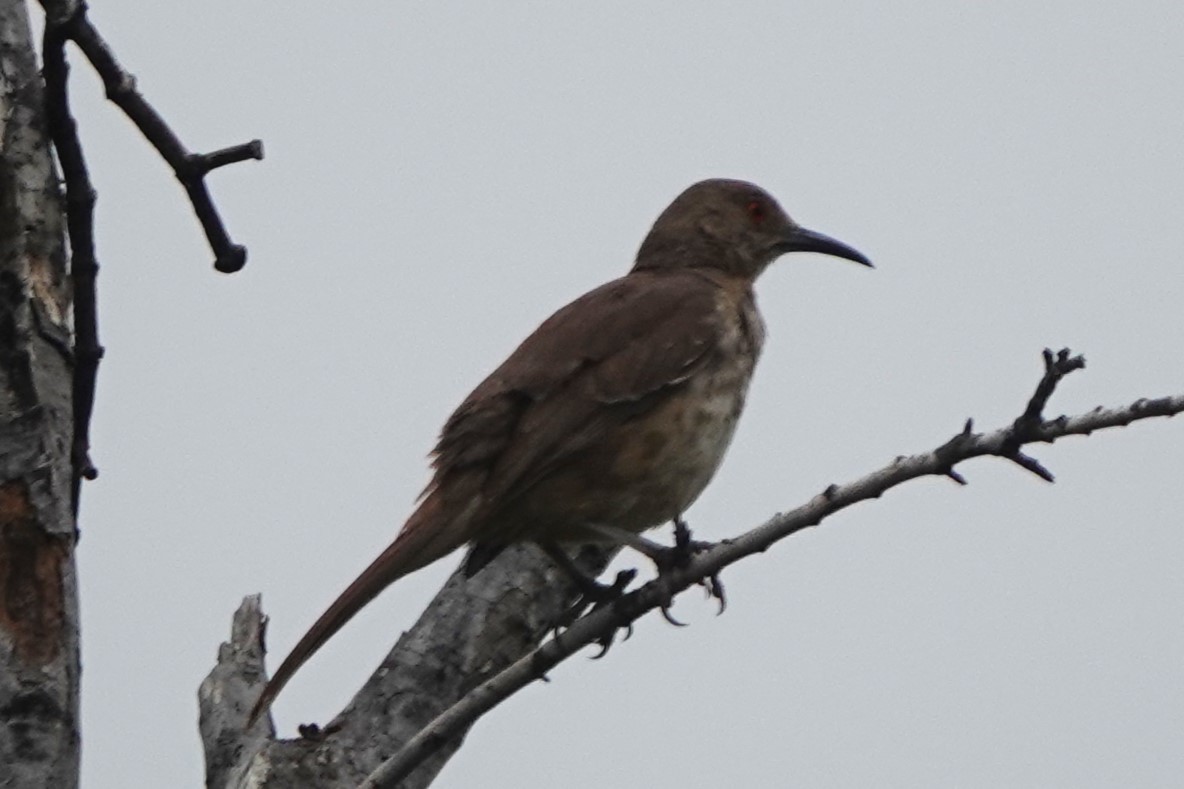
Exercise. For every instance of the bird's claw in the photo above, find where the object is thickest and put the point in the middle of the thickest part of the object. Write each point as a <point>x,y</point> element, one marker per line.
<point>597,595</point>
<point>666,560</point>
<point>667,600</point>
<point>669,617</point>
<point>606,641</point>
<point>715,588</point>
<point>679,556</point>
<point>685,549</point>
<point>613,594</point>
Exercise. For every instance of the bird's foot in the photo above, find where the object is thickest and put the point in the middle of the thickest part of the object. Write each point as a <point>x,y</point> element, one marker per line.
<point>611,594</point>
<point>679,556</point>
<point>667,559</point>
<point>597,596</point>
<point>593,594</point>
<point>712,584</point>
<point>684,547</point>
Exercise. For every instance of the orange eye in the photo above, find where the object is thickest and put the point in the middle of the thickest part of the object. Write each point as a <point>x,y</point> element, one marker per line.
<point>756,210</point>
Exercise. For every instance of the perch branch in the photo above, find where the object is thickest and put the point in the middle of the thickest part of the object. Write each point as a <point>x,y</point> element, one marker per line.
<point>600,625</point>
<point>71,23</point>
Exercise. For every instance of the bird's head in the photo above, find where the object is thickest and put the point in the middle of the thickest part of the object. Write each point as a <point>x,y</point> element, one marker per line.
<point>730,225</point>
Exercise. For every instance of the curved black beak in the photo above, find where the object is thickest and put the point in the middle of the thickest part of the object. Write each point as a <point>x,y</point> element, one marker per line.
<point>799,239</point>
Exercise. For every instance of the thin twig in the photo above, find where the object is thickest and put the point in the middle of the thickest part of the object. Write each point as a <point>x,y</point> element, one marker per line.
<point>1056,367</point>
<point>190,168</point>
<point>84,267</point>
<point>205,162</point>
<point>600,624</point>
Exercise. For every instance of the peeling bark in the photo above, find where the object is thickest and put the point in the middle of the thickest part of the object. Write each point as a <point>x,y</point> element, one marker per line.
<point>31,606</point>
<point>39,661</point>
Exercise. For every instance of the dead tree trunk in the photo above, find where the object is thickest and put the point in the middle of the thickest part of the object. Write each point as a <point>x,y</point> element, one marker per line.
<point>39,658</point>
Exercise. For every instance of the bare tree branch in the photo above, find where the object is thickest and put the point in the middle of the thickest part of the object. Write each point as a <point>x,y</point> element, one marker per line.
<point>600,625</point>
<point>66,20</point>
<point>84,267</point>
<point>69,22</point>
<point>471,630</point>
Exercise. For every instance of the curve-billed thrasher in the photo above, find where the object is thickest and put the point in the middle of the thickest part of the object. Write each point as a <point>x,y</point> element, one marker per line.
<point>615,412</point>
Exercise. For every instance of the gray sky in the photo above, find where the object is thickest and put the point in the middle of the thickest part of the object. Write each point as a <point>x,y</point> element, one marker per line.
<point>440,178</point>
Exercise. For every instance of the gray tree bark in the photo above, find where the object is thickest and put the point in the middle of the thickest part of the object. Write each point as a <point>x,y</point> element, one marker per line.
<point>471,631</point>
<point>39,658</point>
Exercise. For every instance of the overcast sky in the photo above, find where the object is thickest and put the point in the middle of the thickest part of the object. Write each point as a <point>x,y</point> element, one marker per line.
<point>441,177</point>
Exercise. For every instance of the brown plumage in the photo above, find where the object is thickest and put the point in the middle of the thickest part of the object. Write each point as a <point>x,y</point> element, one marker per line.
<point>616,411</point>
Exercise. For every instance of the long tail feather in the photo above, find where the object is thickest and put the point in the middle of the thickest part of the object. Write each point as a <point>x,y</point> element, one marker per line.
<point>422,541</point>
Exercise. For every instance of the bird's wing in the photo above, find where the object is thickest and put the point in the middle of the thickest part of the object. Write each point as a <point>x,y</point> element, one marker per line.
<point>602,357</point>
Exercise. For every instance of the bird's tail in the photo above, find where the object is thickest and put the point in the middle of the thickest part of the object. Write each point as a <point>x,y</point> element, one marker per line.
<point>425,538</point>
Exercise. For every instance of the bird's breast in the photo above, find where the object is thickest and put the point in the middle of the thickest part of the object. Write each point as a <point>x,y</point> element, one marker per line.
<point>647,468</point>
<point>676,449</point>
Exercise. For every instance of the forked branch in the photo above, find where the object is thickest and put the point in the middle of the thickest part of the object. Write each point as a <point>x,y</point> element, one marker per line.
<point>66,20</point>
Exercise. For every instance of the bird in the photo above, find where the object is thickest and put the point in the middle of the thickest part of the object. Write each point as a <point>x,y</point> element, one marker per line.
<point>615,412</point>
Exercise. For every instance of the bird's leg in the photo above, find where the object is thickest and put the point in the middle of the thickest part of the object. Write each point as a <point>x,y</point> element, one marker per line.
<point>685,548</point>
<point>592,592</point>
<point>657,554</point>
<point>666,558</point>
<point>629,539</point>
<point>660,555</point>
